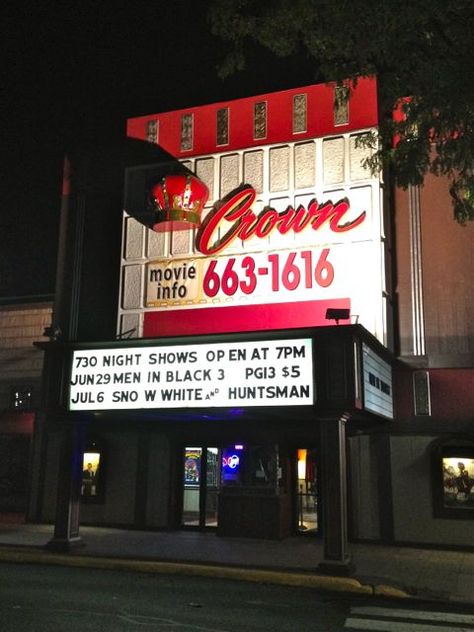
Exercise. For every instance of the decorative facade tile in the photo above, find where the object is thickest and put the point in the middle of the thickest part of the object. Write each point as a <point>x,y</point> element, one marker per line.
<point>187,132</point>
<point>260,120</point>
<point>299,113</point>
<point>222,126</point>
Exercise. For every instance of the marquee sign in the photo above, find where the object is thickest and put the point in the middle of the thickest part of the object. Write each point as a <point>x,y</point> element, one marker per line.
<point>378,390</point>
<point>263,373</point>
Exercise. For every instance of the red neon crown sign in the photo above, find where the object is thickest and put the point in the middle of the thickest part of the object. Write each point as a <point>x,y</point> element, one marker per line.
<point>178,201</point>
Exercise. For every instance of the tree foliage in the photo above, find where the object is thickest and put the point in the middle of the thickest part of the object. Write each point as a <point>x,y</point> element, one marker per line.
<point>417,49</point>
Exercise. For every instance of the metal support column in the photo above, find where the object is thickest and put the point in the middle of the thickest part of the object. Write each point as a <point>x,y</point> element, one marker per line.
<point>66,528</point>
<point>337,559</point>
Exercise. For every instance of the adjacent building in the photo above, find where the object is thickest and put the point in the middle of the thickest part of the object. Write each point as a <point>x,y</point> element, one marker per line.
<point>22,323</point>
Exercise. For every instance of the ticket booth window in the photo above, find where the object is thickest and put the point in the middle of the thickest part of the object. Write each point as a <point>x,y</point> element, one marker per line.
<point>250,466</point>
<point>232,464</point>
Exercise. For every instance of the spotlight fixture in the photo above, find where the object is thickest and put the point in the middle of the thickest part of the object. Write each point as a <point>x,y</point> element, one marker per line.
<point>338,314</point>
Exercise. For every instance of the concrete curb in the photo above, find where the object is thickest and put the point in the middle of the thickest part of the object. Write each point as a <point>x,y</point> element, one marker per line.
<point>384,590</point>
<point>320,582</point>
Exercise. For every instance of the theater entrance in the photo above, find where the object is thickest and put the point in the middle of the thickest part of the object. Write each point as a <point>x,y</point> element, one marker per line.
<point>245,490</point>
<point>201,483</point>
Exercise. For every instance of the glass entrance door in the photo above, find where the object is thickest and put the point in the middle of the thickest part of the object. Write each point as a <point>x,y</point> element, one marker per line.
<point>201,482</point>
<point>307,491</point>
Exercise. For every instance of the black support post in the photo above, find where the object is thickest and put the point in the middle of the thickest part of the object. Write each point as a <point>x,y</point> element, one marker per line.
<point>66,528</point>
<point>337,559</point>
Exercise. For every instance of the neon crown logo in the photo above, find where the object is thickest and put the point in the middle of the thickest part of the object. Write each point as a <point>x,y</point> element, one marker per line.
<point>179,200</point>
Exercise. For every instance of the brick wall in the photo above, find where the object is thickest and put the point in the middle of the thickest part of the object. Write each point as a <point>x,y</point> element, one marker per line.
<point>21,362</point>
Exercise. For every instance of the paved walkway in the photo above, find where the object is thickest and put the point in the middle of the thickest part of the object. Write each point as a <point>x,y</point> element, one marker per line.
<point>394,571</point>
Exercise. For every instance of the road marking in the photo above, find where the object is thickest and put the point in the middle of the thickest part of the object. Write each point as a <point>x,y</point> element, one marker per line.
<point>398,626</point>
<point>138,619</point>
<point>449,617</point>
<point>158,622</point>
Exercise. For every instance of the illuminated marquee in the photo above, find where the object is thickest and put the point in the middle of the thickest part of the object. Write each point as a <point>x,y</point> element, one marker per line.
<point>264,373</point>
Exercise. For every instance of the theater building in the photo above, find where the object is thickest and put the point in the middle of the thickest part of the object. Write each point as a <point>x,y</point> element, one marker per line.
<point>292,351</point>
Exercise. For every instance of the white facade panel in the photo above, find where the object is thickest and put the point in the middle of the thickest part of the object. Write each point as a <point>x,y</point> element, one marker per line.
<point>347,237</point>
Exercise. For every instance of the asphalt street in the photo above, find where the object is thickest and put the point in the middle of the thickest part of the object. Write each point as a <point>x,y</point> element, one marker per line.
<point>40,597</point>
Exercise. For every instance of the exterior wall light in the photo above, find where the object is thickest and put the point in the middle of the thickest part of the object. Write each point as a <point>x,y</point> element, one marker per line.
<point>338,314</point>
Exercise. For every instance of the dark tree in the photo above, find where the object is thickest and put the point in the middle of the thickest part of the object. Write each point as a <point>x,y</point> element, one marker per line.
<point>418,49</point>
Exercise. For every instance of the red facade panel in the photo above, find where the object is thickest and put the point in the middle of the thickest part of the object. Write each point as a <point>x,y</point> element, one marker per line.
<point>240,318</point>
<point>320,122</point>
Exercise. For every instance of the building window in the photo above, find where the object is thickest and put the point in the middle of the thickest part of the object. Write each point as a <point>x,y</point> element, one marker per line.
<point>186,132</point>
<point>21,397</point>
<point>222,126</point>
<point>454,481</point>
<point>260,120</point>
<point>299,113</point>
<point>341,105</point>
<point>152,131</point>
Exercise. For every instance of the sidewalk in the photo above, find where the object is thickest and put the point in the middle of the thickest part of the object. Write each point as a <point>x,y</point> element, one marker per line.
<point>392,571</point>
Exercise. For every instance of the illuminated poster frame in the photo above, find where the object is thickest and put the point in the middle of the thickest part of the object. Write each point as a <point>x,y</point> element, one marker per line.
<point>458,481</point>
<point>453,481</point>
<point>93,468</point>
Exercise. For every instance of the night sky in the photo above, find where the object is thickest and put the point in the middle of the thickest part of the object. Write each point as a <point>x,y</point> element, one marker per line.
<point>85,66</point>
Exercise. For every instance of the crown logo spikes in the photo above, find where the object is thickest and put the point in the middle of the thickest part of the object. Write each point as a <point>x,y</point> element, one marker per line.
<point>178,201</point>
